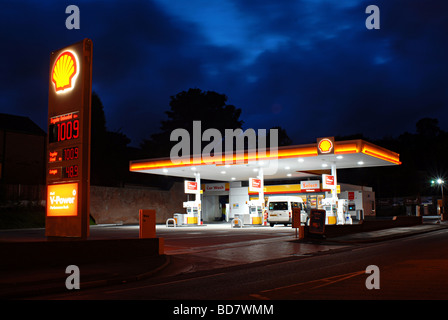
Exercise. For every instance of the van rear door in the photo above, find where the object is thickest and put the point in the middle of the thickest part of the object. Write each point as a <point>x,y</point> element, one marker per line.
<point>278,211</point>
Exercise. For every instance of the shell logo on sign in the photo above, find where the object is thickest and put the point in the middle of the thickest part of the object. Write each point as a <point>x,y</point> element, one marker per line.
<point>65,71</point>
<point>325,145</point>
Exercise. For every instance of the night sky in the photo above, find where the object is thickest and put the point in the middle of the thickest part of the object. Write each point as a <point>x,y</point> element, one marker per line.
<point>310,66</point>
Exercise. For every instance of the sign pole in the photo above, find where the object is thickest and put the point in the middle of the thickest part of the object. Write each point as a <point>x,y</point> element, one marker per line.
<point>68,141</point>
<point>261,192</point>
<point>334,174</point>
<point>197,176</point>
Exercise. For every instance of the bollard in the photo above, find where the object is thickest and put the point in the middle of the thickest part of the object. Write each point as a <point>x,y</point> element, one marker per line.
<point>173,220</point>
<point>301,232</point>
<point>236,223</point>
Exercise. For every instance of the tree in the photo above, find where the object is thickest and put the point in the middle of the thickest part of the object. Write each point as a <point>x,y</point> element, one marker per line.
<point>109,155</point>
<point>422,155</point>
<point>98,140</point>
<point>428,127</point>
<point>283,138</point>
<point>209,107</point>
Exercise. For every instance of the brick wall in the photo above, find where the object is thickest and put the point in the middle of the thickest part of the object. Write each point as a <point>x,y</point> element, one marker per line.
<point>121,205</point>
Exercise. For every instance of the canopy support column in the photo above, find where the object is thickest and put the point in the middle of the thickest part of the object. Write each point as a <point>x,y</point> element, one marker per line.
<point>261,192</point>
<point>334,191</point>
<point>197,199</point>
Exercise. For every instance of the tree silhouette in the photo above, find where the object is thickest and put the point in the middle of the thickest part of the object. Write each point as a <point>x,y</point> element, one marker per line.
<point>109,160</point>
<point>423,155</point>
<point>97,141</point>
<point>283,138</point>
<point>208,107</point>
<point>428,127</point>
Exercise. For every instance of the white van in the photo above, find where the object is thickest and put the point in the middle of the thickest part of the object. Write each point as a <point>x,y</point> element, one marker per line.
<point>279,210</point>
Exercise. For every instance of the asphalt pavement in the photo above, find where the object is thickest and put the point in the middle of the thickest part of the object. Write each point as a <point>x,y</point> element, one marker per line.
<point>35,280</point>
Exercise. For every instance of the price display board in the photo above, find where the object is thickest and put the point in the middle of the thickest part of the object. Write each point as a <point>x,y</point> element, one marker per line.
<point>317,221</point>
<point>68,144</point>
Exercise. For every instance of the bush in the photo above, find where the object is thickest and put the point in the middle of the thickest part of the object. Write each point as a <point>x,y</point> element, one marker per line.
<point>21,217</point>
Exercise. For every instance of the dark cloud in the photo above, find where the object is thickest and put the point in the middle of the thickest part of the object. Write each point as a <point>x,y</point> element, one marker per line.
<point>309,66</point>
<point>355,80</point>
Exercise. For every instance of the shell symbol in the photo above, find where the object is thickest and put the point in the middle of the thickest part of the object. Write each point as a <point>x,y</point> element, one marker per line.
<point>64,70</point>
<point>325,145</point>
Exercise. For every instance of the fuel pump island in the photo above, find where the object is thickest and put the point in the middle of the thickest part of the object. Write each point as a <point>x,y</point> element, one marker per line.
<point>242,190</point>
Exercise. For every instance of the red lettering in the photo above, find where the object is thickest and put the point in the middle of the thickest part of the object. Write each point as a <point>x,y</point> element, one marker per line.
<point>63,128</point>
<point>69,130</point>
<point>76,129</point>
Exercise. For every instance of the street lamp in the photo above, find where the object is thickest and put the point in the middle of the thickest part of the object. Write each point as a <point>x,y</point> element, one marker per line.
<point>440,182</point>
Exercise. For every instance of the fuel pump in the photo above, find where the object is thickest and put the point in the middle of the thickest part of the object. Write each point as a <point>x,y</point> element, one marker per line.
<point>255,211</point>
<point>192,208</point>
<point>343,213</point>
<point>330,207</point>
<point>336,211</point>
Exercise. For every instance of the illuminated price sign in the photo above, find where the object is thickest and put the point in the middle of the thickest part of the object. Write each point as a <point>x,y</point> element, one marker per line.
<point>68,144</point>
<point>64,128</point>
<point>70,153</point>
<point>65,154</point>
<point>59,173</point>
<point>70,171</point>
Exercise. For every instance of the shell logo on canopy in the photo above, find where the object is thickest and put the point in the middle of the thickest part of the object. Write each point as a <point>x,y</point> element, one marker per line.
<point>65,71</point>
<point>325,145</point>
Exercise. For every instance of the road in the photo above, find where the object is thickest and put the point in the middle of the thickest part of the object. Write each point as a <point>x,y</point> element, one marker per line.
<point>409,268</point>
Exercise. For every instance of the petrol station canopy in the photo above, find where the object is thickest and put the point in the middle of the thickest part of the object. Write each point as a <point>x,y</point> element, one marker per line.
<point>298,161</point>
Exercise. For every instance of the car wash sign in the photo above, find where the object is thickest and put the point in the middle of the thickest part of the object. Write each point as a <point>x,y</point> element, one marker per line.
<point>68,143</point>
<point>217,187</point>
